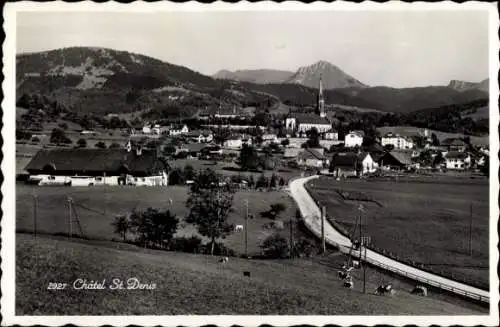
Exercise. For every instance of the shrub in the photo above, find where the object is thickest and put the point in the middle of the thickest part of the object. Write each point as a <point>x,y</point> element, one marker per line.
<point>114,145</point>
<point>304,248</point>
<point>100,145</point>
<point>81,143</point>
<point>191,244</point>
<point>276,247</point>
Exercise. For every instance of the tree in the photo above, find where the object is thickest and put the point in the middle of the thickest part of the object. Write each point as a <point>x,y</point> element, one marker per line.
<point>485,169</point>
<point>261,182</point>
<point>248,160</point>
<point>189,173</point>
<point>274,211</point>
<point>58,136</point>
<point>276,246</point>
<point>210,202</point>
<point>121,226</point>
<point>176,177</point>
<point>285,142</point>
<point>389,147</point>
<point>82,143</point>
<point>438,159</point>
<point>154,227</point>
<point>313,141</point>
<point>425,158</point>
<point>251,181</point>
<point>434,140</point>
<point>100,145</point>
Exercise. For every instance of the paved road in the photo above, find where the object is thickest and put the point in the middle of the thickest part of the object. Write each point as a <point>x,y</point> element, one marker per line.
<point>312,218</point>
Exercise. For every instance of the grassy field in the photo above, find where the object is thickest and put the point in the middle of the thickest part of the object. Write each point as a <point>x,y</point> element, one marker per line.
<point>410,130</point>
<point>425,221</point>
<point>197,284</point>
<point>103,203</point>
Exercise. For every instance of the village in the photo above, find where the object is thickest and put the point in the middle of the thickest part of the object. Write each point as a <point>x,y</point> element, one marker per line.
<point>309,142</point>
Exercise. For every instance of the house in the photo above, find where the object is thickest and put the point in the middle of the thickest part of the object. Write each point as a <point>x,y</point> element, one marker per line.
<point>353,139</point>
<point>178,129</point>
<point>332,135</point>
<point>346,164</point>
<point>291,152</point>
<point>269,138</point>
<point>201,136</point>
<point>192,149</point>
<point>313,158</point>
<point>147,129</point>
<point>454,144</point>
<point>233,142</point>
<point>87,167</point>
<point>396,160</point>
<point>457,160</point>
<point>397,141</point>
<point>159,130</point>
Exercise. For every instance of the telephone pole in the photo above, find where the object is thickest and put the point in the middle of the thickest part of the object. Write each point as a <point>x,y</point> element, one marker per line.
<point>470,232</point>
<point>246,228</point>
<point>323,239</point>
<point>35,204</point>
<point>69,216</point>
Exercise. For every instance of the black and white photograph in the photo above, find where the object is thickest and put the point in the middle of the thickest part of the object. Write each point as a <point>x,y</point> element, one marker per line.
<point>250,164</point>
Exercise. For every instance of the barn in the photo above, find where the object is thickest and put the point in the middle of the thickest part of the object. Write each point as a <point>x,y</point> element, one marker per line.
<point>88,167</point>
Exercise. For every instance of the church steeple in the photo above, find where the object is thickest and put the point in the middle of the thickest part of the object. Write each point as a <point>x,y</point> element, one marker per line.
<point>321,100</point>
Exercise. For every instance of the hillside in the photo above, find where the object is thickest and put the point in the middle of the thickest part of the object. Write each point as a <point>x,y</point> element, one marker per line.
<point>197,284</point>
<point>464,86</point>
<point>109,81</point>
<point>103,81</point>
<point>257,76</point>
<point>332,76</point>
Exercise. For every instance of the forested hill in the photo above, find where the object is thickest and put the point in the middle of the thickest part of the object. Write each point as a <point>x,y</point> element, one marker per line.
<point>104,81</point>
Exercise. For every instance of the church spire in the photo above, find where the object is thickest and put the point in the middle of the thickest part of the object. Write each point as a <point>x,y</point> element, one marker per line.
<point>321,100</point>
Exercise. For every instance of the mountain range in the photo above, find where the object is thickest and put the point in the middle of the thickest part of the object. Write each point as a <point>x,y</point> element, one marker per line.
<point>109,81</point>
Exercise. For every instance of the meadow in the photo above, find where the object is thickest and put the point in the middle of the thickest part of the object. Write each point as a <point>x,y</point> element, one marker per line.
<point>424,221</point>
<point>96,208</point>
<point>197,284</point>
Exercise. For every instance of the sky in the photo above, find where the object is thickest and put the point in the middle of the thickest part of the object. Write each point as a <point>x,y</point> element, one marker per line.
<point>391,48</point>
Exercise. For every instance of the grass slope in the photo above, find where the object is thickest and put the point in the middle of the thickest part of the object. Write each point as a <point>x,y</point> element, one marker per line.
<point>423,221</point>
<point>193,284</point>
<point>106,202</point>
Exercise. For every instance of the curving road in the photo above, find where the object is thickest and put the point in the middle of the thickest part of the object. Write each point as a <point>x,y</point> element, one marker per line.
<point>312,219</point>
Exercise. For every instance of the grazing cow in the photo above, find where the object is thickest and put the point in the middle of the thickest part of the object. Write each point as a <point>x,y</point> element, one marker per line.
<point>246,274</point>
<point>420,290</point>
<point>224,260</point>
<point>383,289</point>
<point>238,228</point>
<point>348,282</point>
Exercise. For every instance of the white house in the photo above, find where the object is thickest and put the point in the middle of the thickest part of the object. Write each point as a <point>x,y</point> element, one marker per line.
<point>92,167</point>
<point>146,129</point>
<point>201,136</point>
<point>269,138</point>
<point>332,135</point>
<point>396,140</point>
<point>367,165</point>
<point>313,158</point>
<point>353,139</point>
<point>457,160</point>
<point>234,142</point>
<point>178,129</point>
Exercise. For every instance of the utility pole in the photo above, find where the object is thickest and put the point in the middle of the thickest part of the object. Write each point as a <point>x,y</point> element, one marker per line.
<point>69,216</point>
<point>323,239</point>
<point>291,238</point>
<point>35,204</point>
<point>246,228</point>
<point>470,232</point>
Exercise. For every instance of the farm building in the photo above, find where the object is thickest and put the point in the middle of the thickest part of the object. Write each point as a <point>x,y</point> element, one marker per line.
<point>457,160</point>
<point>454,144</point>
<point>353,139</point>
<point>352,164</point>
<point>396,160</point>
<point>87,167</point>
<point>313,158</point>
<point>396,140</point>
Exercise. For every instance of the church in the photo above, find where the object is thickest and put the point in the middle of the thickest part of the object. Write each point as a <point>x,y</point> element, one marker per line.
<point>300,122</point>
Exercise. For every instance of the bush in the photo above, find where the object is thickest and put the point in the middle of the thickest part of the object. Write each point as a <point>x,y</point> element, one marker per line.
<point>219,249</point>
<point>114,145</point>
<point>191,244</point>
<point>100,145</point>
<point>81,143</point>
<point>304,248</point>
<point>35,139</point>
<point>276,247</point>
